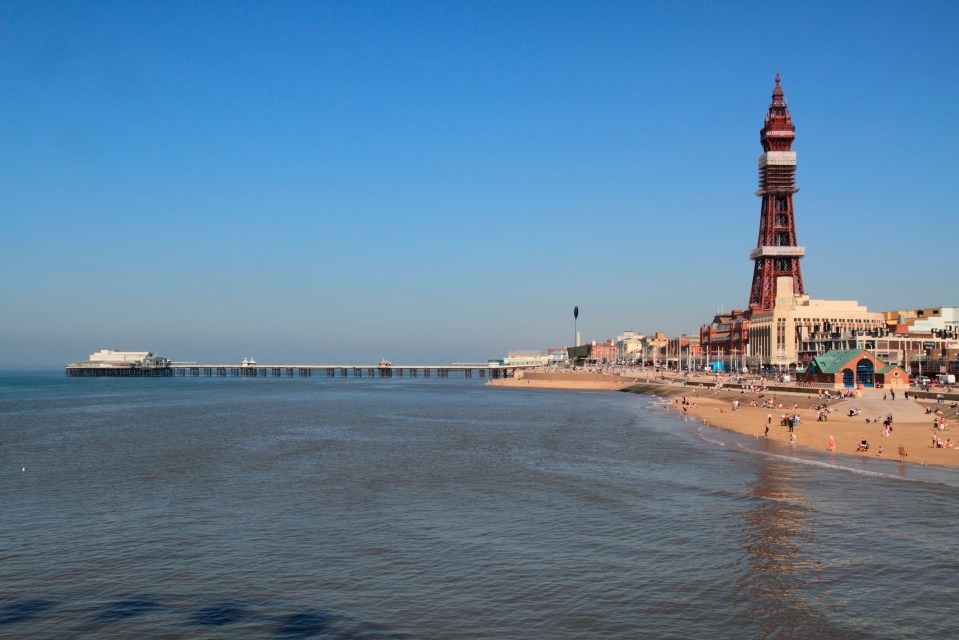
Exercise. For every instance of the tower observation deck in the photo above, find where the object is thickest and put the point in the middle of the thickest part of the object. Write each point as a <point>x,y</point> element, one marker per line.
<point>776,253</point>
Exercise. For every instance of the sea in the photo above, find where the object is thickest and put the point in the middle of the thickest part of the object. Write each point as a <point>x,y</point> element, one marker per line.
<point>445,509</point>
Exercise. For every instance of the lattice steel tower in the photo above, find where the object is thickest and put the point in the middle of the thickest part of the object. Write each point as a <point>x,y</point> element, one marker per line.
<point>776,253</point>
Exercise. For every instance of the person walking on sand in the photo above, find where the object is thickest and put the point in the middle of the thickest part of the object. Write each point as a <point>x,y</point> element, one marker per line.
<point>832,443</point>
<point>902,453</point>
<point>892,392</point>
<point>766,434</point>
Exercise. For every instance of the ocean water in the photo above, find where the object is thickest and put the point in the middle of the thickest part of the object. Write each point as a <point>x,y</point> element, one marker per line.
<point>345,508</point>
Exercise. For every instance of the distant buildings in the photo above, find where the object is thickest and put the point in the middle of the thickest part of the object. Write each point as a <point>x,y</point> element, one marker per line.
<point>934,320</point>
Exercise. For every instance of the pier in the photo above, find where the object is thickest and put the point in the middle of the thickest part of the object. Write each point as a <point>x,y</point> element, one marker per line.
<point>194,370</point>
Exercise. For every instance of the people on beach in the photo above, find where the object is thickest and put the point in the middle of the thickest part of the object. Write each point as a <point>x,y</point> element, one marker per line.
<point>832,443</point>
<point>902,453</point>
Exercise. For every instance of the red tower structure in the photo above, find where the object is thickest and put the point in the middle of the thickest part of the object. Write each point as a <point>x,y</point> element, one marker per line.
<point>776,253</point>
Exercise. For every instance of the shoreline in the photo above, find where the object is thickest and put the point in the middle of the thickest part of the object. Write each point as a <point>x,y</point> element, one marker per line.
<point>911,426</point>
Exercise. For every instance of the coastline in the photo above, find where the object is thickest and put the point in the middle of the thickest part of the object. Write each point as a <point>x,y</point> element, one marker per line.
<point>912,426</point>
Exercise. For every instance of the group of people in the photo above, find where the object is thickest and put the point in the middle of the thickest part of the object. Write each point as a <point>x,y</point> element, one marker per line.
<point>937,442</point>
<point>789,421</point>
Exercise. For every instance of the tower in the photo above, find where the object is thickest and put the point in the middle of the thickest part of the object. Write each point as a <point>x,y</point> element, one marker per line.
<point>776,253</point>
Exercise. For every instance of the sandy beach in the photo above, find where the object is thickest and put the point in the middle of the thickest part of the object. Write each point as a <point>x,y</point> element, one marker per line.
<point>578,380</point>
<point>911,425</point>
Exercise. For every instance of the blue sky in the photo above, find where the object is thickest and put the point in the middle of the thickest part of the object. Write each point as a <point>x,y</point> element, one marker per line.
<point>444,181</point>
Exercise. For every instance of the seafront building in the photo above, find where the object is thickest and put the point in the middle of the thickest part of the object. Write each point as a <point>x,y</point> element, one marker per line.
<point>776,335</point>
<point>629,346</point>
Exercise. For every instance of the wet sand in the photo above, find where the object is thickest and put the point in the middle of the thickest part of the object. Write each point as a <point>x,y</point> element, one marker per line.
<point>585,381</point>
<point>912,426</point>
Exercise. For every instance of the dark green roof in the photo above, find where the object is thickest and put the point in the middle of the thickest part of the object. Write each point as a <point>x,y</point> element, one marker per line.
<point>833,361</point>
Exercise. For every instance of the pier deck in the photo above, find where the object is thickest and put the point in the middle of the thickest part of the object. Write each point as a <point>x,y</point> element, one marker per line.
<point>194,370</point>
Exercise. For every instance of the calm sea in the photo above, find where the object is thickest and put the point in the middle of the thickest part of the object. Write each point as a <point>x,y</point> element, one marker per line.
<point>302,508</point>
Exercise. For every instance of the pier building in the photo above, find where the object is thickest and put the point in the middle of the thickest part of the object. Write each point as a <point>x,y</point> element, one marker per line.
<point>107,362</point>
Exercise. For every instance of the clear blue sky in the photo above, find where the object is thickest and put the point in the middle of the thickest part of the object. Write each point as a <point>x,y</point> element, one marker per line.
<point>444,181</point>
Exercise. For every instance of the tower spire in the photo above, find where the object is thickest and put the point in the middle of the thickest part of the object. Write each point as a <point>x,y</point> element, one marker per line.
<point>776,253</point>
